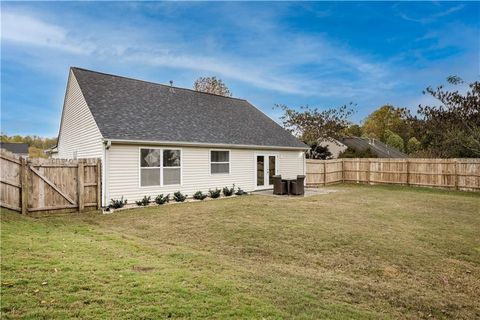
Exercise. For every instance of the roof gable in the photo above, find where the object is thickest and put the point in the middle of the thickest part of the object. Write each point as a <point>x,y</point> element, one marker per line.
<point>14,147</point>
<point>130,109</point>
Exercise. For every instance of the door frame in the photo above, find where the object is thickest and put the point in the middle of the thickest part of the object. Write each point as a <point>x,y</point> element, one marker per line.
<point>265,168</point>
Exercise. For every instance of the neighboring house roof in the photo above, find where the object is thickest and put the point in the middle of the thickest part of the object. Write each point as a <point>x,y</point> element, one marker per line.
<point>18,148</point>
<point>334,146</point>
<point>136,110</point>
<point>376,146</point>
<point>329,141</point>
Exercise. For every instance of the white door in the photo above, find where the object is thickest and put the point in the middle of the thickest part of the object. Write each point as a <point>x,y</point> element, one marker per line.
<point>265,168</point>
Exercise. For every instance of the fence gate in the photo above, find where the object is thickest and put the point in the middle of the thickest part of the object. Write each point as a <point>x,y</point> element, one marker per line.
<point>36,185</point>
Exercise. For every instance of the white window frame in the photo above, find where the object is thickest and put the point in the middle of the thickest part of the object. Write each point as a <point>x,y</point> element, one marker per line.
<point>265,155</point>
<point>159,168</point>
<point>179,167</point>
<point>223,162</point>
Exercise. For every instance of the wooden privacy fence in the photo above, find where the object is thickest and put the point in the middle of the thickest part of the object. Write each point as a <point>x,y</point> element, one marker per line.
<point>36,184</point>
<point>461,174</point>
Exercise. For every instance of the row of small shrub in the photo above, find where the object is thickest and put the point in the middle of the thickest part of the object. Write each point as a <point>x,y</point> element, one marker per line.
<point>180,197</point>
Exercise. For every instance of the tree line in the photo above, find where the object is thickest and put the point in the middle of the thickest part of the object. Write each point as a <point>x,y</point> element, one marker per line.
<point>449,129</point>
<point>36,144</point>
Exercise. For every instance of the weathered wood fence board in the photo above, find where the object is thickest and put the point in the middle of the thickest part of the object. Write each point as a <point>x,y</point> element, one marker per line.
<point>462,174</point>
<point>36,184</point>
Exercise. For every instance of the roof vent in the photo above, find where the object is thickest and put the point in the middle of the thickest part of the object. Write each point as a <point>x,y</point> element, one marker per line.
<point>172,90</point>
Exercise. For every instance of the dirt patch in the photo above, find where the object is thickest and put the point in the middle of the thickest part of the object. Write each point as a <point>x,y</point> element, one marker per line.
<point>142,269</point>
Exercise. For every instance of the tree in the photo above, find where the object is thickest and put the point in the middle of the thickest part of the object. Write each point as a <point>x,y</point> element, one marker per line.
<point>212,85</point>
<point>318,152</point>
<point>413,145</point>
<point>452,128</point>
<point>394,140</point>
<point>385,118</point>
<point>312,125</point>
<point>353,130</point>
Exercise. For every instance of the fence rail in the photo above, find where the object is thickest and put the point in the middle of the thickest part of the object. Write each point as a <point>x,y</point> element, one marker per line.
<point>36,185</point>
<point>460,174</point>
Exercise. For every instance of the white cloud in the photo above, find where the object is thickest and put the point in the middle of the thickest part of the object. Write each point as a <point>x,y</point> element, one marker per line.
<point>433,17</point>
<point>269,57</point>
<point>22,28</point>
<point>271,71</point>
<point>29,30</point>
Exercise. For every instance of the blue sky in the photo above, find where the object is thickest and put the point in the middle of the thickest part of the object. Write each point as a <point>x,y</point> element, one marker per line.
<point>319,54</point>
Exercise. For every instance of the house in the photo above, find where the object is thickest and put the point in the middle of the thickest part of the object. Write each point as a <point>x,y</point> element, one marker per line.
<point>20,149</point>
<point>380,149</point>
<point>155,138</point>
<point>334,146</point>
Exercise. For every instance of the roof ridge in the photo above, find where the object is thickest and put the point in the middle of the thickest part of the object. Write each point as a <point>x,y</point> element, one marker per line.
<point>155,83</point>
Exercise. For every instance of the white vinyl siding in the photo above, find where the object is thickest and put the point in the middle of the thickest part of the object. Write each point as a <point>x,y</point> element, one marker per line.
<point>124,177</point>
<point>79,133</point>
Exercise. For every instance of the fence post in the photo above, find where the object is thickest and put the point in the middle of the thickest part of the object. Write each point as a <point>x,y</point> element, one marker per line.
<point>324,173</point>
<point>80,186</point>
<point>343,171</point>
<point>24,185</point>
<point>455,171</point>
<point>408,172</point>
<point>99,184</point>
<point>368,171</point>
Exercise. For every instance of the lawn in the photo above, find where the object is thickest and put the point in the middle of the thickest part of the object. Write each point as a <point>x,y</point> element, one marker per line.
<point>364,252</point>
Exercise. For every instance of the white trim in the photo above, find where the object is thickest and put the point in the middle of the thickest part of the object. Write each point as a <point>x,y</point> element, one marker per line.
<point>305,165</point>
<point>266,168</point>
<point>204,145</point>
<point>223,162</point>
<point>139,165</point>
<point>105,187</point>
<point>180,167</point>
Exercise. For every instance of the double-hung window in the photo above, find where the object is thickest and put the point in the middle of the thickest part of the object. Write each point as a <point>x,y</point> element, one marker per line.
<point>171,167</point>
<point>219,161</point>
<point>160,167</point>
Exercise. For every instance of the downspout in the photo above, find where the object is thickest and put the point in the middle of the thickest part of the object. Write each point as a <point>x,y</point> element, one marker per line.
<point>305,167</point>
<point>105,173</point>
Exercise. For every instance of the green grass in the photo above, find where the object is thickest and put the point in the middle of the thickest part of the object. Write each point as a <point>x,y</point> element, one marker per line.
<point>364,252</point>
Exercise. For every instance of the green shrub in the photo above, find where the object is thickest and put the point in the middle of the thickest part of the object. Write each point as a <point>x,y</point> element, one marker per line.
<point>199,195</point>
<point>240,192</point>
<point>227,192</point>
<point>395,141</point>
<point>117,204</point>
<point>144,202</point>
<point>179,197</point>
<point>214,193</point>
<point>387,134</point>
<point>413,145</point>
<point>160,199</point>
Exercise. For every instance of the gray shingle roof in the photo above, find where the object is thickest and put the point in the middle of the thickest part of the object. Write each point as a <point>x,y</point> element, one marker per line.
<point>378,147</point>
<point>18,148</point>
<point>132,109</point>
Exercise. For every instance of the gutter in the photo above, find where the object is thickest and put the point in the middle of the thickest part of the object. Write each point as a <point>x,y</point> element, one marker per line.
<point>203,144</point>
<point>106,192</point>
